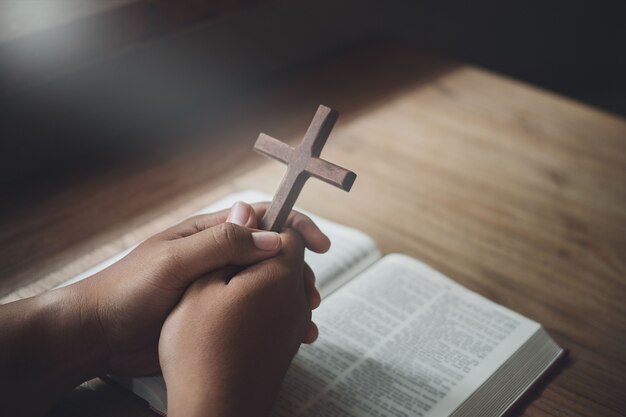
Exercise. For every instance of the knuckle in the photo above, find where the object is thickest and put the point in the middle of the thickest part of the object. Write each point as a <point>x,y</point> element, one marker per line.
<point>301,217</point>
<point>300,220</point>
<point>309,274</point>
<point>196,222</point>
<point>150,243</point>
<point>283,275</point>
<point>227,236</point>
<point>273,278</point>
<point>261,207</point>
<point>294,240</point>
<point>280,271</point>
<point>168,257</point>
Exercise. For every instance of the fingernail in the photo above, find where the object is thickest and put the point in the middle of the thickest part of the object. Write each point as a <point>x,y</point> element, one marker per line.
<point>266,240</point>
<point>238,214</point>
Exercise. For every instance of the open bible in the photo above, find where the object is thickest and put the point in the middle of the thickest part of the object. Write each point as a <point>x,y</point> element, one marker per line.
<point>397,338</point>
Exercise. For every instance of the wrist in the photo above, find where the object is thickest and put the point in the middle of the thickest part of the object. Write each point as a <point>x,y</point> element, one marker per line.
<point>74,332</point>
<point>203,395</point>
<point>185,398</point>
<point>198,403</point>
<point>45,349</point>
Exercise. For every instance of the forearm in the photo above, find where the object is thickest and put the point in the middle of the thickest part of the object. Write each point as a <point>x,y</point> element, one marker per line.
<point>48,345</point>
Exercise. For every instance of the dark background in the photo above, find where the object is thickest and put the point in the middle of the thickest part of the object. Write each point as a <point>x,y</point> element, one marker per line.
<point>80,97</point>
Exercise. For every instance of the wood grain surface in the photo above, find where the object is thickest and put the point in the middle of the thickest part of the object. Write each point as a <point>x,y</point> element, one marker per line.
<point>513,192</point>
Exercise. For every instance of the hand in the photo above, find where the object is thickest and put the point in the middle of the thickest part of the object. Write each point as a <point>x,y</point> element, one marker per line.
<point>111,322</point>
<point>132,298</point>
<point>225,348</point>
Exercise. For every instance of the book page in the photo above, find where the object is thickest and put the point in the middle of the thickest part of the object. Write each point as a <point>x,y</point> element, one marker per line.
<point>400,339</point>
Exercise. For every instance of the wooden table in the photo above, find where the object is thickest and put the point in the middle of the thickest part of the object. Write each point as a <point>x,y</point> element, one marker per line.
<point>512,191</point>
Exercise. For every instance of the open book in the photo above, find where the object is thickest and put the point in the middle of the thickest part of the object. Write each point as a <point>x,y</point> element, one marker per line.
<point>397,338</point>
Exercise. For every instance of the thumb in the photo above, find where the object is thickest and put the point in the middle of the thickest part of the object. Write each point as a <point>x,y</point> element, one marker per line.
<point>219,246</point>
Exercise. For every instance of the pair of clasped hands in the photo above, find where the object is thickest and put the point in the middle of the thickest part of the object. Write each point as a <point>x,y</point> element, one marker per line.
<point>216,305</point>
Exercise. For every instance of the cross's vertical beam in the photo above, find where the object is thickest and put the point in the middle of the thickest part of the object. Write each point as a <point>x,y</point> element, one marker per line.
<point>283,201</point>
<point>319,130</point>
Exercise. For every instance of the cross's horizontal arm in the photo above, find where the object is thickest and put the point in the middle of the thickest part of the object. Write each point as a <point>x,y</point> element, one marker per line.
<point>330,173</point>
<point>273,148</point>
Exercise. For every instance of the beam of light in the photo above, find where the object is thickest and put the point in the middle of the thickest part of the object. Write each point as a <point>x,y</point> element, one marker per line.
<point>22,17</point>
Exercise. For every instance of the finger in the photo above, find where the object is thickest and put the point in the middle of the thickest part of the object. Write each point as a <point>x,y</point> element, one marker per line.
<point>225,244</point>
<point>311,334</point>
<point>220,276</point>
<point>292,251</point>
<point>287,265</point>
<point>200,222</point>
<point>193,224</point>
<point>309,286</point>
<point>314,238</point>
<point>242,214</point>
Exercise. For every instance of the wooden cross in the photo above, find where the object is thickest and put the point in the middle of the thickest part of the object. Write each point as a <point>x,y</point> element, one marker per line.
<point>303,161</point>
